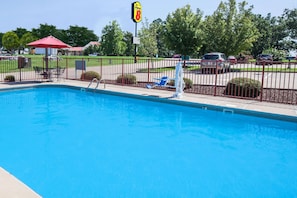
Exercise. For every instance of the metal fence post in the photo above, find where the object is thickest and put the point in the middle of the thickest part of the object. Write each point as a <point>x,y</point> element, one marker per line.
<point>216,80</point>
<point>123,73</point>
<point>148,70</point>
<point>262,82</point>
<point>101,69</point>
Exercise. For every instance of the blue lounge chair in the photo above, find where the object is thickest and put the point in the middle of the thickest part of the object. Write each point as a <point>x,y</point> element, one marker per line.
<point>161,83</point>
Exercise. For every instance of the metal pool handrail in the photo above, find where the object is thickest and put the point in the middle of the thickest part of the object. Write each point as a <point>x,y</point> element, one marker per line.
<point>98,83</point>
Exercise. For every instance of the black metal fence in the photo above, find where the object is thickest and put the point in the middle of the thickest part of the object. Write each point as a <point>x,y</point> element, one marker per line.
<point>278,81</point>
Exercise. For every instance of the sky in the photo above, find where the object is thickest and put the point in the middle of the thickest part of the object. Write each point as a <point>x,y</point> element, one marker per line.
<point>96,14</point>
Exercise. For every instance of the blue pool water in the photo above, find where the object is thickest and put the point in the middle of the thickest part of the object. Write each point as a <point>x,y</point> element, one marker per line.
<point>66,143</point>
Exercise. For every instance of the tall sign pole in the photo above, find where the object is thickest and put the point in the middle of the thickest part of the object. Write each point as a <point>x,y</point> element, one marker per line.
<point>136,17</point>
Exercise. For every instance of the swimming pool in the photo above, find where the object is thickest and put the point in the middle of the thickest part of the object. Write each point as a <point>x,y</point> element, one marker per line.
<point>63,142</point>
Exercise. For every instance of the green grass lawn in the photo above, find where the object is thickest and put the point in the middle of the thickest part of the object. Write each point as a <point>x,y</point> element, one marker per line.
<point>69,61</point>
<point>37,60</point>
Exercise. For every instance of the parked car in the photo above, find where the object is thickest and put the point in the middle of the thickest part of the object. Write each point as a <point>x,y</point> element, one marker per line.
<point>291,58</point>
<point>177,56</point>
<point>54,58</point>
<point>94,54</point>
<point>211,61</point>
<point>266,59</point>
<point>232,60</point>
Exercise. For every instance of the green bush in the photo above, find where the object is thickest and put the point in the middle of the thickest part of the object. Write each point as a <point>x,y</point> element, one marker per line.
<point>9,78</point>
<point>188,83</point>
<point>90,75</point>
<point>127,79</point>
<point>244,87</point>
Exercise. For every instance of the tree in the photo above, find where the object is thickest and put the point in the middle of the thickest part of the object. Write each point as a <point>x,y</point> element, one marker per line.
<point>182,31</point>
<point>75,35</point>
<point>92,49</point>
<point>163,51</point>
<point>27,38</point>
<point>120,47</point>
<point>230,30</point>
<point>80,36</point>
<point>112,40</point>
<point>44,30</point>
<point>10,41</point>
<point>264,27</point>
<point>1,35</point>
<point>274,35</point>
<point>290,22</point>
<point>128,40</point>
<point>20,32</point>
<point>290,17</point>
<point>279,32</point>
<point>148,39</point>
<point>63,35</point>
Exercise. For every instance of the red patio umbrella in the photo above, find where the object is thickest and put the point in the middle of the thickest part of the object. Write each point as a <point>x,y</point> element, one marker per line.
<point>48,42</point>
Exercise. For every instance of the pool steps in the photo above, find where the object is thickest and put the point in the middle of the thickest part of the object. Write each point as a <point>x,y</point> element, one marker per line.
<point>224,110</point>
<point>228,111</point>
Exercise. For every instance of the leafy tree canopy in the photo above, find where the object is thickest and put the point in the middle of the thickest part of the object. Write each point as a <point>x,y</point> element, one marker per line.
<point>27,38</point>
<point>230,29</point>
<point>182,31</point>
<point>148,39</point>
<point>112,40</point>
<point>290,17</point>
<point>10,41</point>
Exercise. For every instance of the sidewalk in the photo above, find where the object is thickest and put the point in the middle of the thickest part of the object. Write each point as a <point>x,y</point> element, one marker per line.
<point>212,102</point>
<point>201,100</point>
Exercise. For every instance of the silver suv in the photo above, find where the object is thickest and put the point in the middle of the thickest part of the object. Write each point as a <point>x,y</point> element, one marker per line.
<point>211,61</point>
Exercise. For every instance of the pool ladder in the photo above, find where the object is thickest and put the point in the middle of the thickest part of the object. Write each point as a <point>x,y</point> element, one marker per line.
<point>98,83</point>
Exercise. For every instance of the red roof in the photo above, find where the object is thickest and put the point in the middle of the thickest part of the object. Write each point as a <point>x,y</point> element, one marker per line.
<point>76,49</point>
<point>94,43</point>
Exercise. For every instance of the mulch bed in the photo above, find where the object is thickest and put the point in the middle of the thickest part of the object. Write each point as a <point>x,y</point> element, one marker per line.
<point>269,95</point>
<point>283,96</point>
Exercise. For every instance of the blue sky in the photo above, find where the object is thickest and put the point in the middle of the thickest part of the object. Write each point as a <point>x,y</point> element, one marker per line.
<point>95,14</point>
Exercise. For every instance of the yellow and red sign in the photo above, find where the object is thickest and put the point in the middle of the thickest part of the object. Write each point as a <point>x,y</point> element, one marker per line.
<point>136,12</point>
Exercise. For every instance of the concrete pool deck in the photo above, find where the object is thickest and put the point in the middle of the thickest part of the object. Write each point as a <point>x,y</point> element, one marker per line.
<point>224,102</point>
<point>12,187</point>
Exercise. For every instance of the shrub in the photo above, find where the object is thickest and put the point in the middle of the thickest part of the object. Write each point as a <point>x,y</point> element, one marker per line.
<point>244,87</point>
<point>89,75</point>
<point>9,78</point>
<point>126,79</point>
<point>188,83</point>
